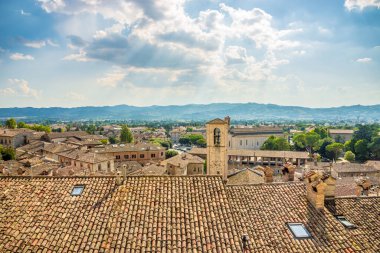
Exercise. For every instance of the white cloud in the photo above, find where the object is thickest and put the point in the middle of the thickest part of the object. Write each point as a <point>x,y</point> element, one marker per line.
<point>35,44</point>
<point>80,57</point>
<point>39,43</point>
<point>7,91</point>
<point>22,88</point>
<point>157,36</point>
<point>361,4</point>
<point>24,13</point>
<point>112,78</point>
<point>364,60</point>
<point>20,56</point>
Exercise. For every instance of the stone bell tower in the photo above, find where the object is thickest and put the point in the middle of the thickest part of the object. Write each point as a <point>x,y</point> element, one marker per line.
<point>217,142</point>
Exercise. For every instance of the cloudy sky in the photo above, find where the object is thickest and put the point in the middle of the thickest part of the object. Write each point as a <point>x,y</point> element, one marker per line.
<point>149,52</point>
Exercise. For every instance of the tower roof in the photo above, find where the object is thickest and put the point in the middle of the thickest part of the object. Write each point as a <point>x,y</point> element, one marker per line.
<point>217,121</point>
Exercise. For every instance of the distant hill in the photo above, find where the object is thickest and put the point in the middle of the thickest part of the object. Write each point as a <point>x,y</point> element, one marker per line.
<point>237,111</point>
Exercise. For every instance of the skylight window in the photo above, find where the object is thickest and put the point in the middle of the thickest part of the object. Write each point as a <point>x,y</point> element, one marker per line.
<point>77,190</point>
<point>299,230</point>
<point>345,222</point>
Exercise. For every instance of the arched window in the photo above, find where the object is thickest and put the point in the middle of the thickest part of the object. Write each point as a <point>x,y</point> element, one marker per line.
<point>217,136</point>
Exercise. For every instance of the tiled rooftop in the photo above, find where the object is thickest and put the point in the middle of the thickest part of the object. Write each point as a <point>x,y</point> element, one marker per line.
<point>145,214</point>
<point>263,211</point>
<point>174,214</point>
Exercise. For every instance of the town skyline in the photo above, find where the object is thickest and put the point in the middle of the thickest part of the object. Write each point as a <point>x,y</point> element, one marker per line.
<point>93,53</point>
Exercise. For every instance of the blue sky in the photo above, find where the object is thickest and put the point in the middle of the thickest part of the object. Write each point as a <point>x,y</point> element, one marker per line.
<point>98,52</point>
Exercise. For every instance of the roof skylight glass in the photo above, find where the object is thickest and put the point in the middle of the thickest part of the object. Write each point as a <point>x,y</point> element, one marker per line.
<point>345,222</point>
<point>77,190</point>
<point>299,230</point>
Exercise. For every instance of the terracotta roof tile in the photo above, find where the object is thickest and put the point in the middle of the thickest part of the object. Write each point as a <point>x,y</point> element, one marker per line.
<point>144,214</point>
<point>174,214</point>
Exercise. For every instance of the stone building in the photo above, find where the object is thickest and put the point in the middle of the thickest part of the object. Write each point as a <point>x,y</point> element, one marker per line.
<point>139,152</point>
<point>251,138</point>
<point>86,160</point>
<point>184,164</point>
<point>341,135</point>
<point>14,137</point>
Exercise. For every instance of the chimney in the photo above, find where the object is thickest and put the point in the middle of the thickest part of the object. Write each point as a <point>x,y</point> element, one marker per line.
<point>227,119</point>
<point>118,178</point>
<point>362,186</point>
<point>288,171</point>
<point>315,189</point>
<point>268,173</point>
<point>331,185</point>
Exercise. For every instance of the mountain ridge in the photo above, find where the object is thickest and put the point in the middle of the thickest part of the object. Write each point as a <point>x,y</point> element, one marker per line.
<point>237,111</point>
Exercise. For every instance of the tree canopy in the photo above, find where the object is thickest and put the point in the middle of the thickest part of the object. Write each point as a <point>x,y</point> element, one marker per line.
<point>334,150</point>
<point>11,123</point>
<point>126,134</point>
<point>275,143</point>
<point>192,139</point>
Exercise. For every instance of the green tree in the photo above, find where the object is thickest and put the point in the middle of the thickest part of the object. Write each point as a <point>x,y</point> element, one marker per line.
<point>299,141</point>
<point>312,142</point>
<point>112,140</point>
<point>201,143</point>
<point>126,134</point>
<point>104,141</point>
<point>365,132</point>
<point>275,143</point>
<point>321,131</point>
<point>374,148</point>
<point>21,124</point>
<point>11,123</point>
<point>309,142</point>
<point>192,139</point>
<point>339,138</point>
<point>91,129</point>
<point>170,153</point>
<point>334,150</point>
<point>162,142</point>
<point>324,143</point>
<point>349,146</point>
<point>349,156</point>
<point>8,153</point>
<point>361,150</point>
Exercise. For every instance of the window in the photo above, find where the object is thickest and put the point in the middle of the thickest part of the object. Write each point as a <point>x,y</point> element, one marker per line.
<point>117,157</point>
<point>345,222</point>
<point>126,156</point>
<point>162,153</point>
<point>109,165</point>
<point>299,230</point>
<point>77,190</point>
<point>99,167</point>
<point>133,156</point>
<point>216,136</point>
<point>246,142</point>
<point>141,155</point>
<point>241,143</point>
<point>153,155</point>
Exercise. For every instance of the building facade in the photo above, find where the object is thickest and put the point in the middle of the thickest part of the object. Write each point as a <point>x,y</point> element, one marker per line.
<point>341,135</point>
<point>14,137</point>
<point>251,138</point>
<point>140,152</point>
